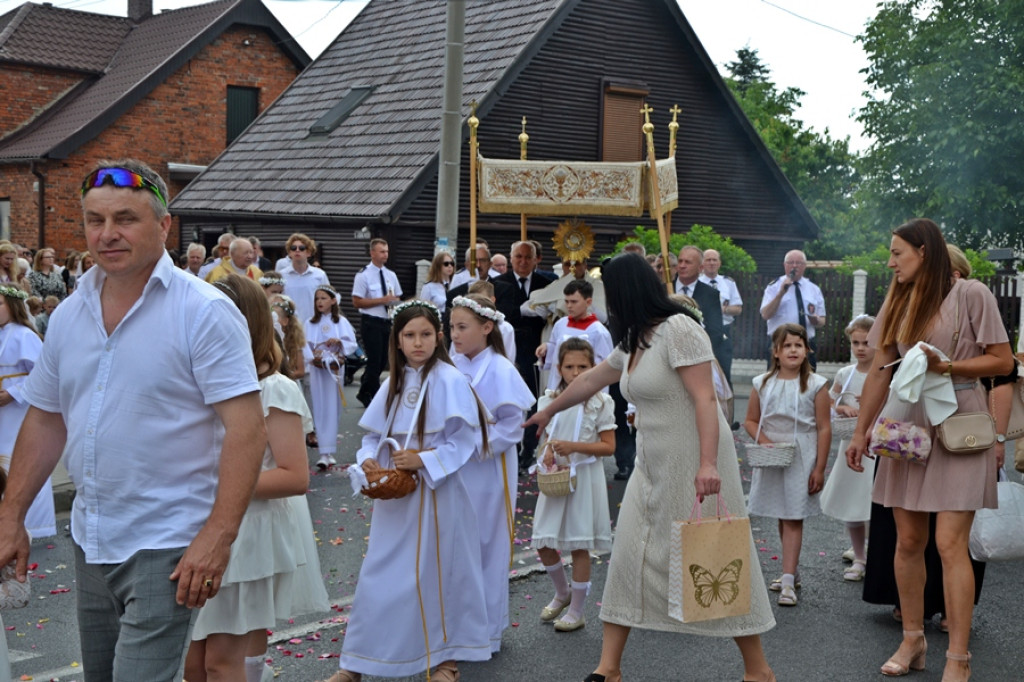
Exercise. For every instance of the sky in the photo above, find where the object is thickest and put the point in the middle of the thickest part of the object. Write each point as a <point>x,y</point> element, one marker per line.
<point>806,43</point>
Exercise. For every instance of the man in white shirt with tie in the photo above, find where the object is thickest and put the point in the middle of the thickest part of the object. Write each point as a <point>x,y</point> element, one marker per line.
<point>374,289</point>
<point>732,305</point>
<point>794,299</point>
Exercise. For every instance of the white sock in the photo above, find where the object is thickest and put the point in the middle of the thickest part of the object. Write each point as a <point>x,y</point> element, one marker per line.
<point>579,598</point>
<point>789,579</point>
<point>254,667</point>
<point>557,574</point>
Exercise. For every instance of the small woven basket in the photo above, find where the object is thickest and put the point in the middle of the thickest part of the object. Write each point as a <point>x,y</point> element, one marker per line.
<point>555,484</point>
<point>389,484</point>
<point>844,427</point>
<point>774,455</point>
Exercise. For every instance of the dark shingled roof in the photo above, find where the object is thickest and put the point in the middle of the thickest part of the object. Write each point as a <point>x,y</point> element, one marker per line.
<point>41,35</point>
<point>366,164</point>
<point>146,55</point>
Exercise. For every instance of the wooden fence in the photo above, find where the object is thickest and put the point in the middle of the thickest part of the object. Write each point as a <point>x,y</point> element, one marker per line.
<point>750,333</point>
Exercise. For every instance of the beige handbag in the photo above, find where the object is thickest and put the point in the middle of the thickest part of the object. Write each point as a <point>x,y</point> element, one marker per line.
<point>971,432</point>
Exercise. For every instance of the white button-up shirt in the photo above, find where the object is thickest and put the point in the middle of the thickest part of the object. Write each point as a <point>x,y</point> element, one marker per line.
<point>787,311</point>
<point>143,444</point>
<point>367,285</point>
<point>301,288</point>
<point>727,291</point>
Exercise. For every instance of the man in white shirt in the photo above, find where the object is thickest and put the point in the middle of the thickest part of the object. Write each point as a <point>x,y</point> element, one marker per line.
<point>146,384</point>
<point>732,305</point>
<point>794,299</point>
<point>300,278</point>
<point>374,289</point>
<point>196,254</point>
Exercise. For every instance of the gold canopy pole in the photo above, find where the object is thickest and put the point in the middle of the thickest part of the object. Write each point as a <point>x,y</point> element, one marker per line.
<point>656,195</point>
<point>523,139</point>
<point>673,128</point>
<point>474,123</point>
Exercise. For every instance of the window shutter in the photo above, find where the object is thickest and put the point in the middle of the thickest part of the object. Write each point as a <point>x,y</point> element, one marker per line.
<point>243,107</point>
<point>621,130</point>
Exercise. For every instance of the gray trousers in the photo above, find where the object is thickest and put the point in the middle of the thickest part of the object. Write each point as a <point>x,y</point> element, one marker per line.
<point>130,626</point>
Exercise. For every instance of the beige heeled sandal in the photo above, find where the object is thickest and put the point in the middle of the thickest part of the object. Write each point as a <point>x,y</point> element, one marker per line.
<point>897,668</point>
<point>963,658</point>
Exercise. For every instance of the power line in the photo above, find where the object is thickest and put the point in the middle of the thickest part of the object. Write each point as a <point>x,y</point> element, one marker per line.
<point>812,21</point>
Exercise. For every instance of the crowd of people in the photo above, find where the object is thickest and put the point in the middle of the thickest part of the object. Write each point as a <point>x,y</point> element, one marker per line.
<point>216,498</point>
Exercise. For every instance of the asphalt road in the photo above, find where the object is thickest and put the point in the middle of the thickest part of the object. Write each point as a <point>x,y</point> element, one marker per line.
<point>830,635</point>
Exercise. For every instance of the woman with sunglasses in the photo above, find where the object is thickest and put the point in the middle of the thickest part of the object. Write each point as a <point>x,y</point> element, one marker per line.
<point>439,279</point>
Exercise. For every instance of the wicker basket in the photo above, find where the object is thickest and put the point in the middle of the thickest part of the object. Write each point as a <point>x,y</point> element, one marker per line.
<point>844,427</point>
<point>390,484</point>
<point>774,455</point>
<point>555,484</point>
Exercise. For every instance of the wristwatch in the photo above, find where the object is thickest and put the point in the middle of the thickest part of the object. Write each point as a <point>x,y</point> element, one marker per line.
<point>1000,438</point>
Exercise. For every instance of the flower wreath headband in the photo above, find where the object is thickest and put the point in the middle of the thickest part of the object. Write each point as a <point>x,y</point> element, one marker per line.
<point>490,313</point>
<point>327,288</point>
<point>285,303</point>
<point>416,303</point>
<point>267,280</point>
<point>13,292</point>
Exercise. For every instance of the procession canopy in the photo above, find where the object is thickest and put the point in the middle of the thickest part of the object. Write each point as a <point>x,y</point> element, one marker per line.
<point>575,187</point>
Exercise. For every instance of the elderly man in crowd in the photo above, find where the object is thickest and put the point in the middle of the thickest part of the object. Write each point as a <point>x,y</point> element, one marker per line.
<point>688,269</point>
<point>524,279</point>
<point>300,277</point>
<point>240,261</point>
<point>218,254</point>
<point>164,462</point>
<point>499,265</point>
<point>194,258</point>
<point>732,305</point>
<point>794,299</point>
<point>374,290</point>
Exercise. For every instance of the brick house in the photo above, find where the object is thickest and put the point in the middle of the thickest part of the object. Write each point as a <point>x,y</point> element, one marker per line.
<point>173,89</point>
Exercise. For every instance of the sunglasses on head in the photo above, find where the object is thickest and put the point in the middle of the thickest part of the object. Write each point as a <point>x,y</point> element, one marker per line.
<point>297,247</point>
<point>121,177</point>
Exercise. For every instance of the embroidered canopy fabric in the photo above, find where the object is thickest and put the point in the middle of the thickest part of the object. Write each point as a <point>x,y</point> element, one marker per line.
<point>574,187</point>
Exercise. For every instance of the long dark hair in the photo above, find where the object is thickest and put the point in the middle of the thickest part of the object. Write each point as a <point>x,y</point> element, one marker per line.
<point>779,338</point>
<point>396,382</point>
<point>637,301</point>
<point>912,306</point>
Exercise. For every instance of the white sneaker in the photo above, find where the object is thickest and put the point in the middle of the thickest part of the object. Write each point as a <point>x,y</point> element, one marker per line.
<point>326,461</point>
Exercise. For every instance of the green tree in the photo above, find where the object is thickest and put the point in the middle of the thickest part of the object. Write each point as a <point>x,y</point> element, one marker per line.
<point>822,170</point>
<point>947,85</point>
<point>734,258</point>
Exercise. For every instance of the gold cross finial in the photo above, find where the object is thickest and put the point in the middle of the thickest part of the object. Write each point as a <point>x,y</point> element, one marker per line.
<point>675,111</point>
<point>646,111</point>
<point>473,121</point>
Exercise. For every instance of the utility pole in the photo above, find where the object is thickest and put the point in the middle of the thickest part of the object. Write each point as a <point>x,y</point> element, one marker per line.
<point>447,227</point>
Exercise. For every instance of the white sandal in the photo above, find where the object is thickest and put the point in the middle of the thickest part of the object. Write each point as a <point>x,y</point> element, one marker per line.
<point>787,597</point>
<point>855,573</point>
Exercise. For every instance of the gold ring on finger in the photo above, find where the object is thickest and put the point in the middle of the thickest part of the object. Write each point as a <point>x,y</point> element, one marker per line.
<point>208,582</point>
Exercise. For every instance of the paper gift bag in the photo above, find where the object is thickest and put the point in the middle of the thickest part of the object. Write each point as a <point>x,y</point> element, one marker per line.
<point>709,567</point>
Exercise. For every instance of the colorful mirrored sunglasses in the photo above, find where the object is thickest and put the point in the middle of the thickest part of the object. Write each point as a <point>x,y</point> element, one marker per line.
<point>121,177</point>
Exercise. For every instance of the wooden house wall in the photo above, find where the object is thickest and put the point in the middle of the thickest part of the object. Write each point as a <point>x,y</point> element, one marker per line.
<point>723,180</point>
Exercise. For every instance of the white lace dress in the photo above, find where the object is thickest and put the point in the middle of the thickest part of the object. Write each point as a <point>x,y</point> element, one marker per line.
<point>661,488</point>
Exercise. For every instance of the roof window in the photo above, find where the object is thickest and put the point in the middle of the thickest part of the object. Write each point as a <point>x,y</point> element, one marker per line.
<point>340,111</point>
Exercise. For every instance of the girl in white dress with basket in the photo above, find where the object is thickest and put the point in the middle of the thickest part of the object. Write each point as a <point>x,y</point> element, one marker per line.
<point>491,475</point>
<point>274,571</point>
<point>788,406</point>
<point>420,598</point>
<point>329,338</point>
<point>574,520</point>
<point>847,493</point>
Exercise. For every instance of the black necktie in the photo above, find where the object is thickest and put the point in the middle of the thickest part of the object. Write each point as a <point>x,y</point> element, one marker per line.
<point>686,290</point>
<point>714,283</point>
<point>801,319</point>
<point>446,286</point>
<point>383,284</point>
<point>522,285</point>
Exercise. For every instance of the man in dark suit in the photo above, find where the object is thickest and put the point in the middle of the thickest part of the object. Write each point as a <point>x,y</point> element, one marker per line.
<point>688,269</point>
<point>504,299</point>
<point>523,278</point>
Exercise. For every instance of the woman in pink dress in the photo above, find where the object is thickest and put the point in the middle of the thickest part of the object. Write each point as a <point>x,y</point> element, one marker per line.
<point>960,318</point>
